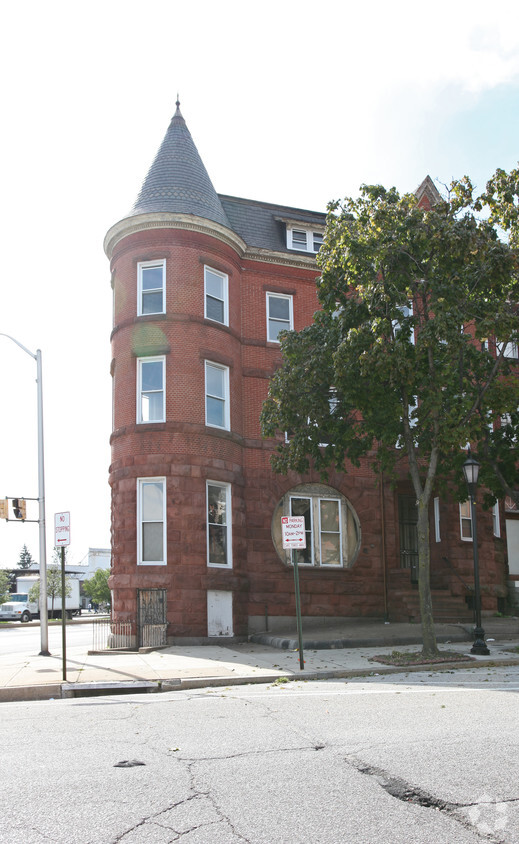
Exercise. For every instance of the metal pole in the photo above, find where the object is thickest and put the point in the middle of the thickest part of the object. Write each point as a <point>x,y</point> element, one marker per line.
<point>44,628</point>
<point>44,624</point>
<point>479,646</point>
<point>63,616</point>
<point>298,614</point>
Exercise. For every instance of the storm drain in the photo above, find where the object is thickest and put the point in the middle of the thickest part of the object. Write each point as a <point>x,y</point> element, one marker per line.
<point>97,689</point>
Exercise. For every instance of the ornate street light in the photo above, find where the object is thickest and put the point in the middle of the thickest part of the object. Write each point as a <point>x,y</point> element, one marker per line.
<point>471,472</point>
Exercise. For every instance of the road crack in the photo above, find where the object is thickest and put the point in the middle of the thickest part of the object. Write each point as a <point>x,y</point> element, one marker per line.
<point>402,790</point>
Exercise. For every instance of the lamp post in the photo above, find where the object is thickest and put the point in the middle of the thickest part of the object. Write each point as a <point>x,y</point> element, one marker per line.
<point>471,472</point>
<point>44,627</point>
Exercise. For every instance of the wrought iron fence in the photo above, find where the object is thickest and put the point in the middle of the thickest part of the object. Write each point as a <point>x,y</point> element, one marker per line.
<point>153,635</point>
<point>114,635</point>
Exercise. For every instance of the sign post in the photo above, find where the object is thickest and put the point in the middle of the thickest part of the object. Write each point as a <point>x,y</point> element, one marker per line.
<point>294,536</point>
<point>62,539</point>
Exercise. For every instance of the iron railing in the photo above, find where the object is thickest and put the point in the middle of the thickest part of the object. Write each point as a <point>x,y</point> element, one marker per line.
<point>113,635</point>
<point>153,635</point>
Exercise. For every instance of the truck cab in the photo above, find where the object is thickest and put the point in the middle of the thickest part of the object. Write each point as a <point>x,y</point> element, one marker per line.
<point>16,608</point>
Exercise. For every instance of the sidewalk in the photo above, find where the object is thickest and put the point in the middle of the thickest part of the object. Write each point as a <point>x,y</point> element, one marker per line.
<point>328,652</point>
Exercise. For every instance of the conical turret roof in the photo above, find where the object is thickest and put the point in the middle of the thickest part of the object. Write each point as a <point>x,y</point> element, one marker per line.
<point>177,181</point>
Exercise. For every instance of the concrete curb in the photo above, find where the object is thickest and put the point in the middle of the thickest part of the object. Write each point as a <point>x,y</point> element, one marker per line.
<point>60,691</point>
<point>335,644</point>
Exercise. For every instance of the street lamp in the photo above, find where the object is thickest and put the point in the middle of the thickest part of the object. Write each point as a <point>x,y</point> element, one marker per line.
<point>471,472</point>
<point>44,627</point>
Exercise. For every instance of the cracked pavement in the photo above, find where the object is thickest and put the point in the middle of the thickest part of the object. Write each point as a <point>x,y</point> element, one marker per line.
<point>417,758</point>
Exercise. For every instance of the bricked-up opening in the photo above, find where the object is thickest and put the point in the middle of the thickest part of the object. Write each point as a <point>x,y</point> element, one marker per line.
<point>332,527</point>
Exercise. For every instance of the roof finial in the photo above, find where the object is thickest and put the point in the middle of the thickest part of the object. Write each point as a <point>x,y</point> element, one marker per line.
<point>178,104</point>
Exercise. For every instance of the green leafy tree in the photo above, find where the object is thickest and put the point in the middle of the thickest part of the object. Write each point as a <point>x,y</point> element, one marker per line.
<point>4,586</point>
<point>498,446</point>
<point>397,367</point>
<point>25,560</point>
<point>53,587</point>
<point>56,555</point>
<point>96,587</point>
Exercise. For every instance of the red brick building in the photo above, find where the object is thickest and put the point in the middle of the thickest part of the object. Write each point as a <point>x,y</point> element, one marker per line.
<point>202,285</point>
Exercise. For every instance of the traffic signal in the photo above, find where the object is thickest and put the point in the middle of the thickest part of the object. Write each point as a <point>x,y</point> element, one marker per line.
<point>4,508</point>
<point>19,508</point>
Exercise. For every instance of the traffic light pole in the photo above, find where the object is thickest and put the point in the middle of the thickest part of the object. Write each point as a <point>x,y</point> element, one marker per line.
<point>44,620</point>
<point>44,624</point>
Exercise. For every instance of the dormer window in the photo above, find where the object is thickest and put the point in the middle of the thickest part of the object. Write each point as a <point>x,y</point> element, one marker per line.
<point>304,240</point>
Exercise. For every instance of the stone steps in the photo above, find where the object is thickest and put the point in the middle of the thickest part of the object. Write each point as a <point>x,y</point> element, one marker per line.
<point>405,606</point>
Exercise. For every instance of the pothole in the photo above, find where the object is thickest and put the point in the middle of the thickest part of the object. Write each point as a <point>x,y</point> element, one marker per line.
<point>402,790</point>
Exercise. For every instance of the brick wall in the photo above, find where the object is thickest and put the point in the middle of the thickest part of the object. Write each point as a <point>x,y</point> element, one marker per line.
<point>188,453</point>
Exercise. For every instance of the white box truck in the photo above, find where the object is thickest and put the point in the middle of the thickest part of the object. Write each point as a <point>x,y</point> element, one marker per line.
<point>18,607</point>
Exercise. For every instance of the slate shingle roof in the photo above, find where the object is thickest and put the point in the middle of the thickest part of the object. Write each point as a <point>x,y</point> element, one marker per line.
<point>260,224</point>
<point>177,182</point>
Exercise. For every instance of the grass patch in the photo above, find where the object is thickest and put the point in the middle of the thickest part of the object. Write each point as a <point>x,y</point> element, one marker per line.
<point>417,658</point>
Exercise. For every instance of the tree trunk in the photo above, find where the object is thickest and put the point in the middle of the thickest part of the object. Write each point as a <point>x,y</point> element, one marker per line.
<point>429,647</point>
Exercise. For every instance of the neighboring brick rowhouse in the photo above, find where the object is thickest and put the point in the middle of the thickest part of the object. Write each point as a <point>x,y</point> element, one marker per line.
<point>180,220</point>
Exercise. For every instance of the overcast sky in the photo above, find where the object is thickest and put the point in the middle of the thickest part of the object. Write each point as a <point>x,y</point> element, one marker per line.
<point>295,103</point>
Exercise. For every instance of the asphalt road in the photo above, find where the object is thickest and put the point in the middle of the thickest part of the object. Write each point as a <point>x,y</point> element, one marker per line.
<point>399,760</point>
<point>25,638</point>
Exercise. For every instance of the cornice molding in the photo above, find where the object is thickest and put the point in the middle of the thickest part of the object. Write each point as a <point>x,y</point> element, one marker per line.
<point>284,259</point>
<point>166,220</point>
<point>189,222</point>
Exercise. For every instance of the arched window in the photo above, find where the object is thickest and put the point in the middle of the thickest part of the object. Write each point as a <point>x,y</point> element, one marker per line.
<point>332,527</point>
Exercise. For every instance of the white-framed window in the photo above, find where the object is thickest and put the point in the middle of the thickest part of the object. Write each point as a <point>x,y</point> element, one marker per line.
<point>150,389</point>
<point>317,241</point>
<point>465,521</point>
<point>406,311</point>
<point>304,240</point>
<point>496,524</point>
<point>326,523</point>
<point>302,506</point>
<point>279,315</point>
<point>506,421</point>
<point>216,296</point>
<point>330,533</point>
<point>151,287</point>
<point>151,521</point>
<point>437,534</point>
<point>510,350</point>
<point>219,524</point>
<point>332,527</point>
<point>333,403</point>
<point>217,412</point>
<point>412,407</point>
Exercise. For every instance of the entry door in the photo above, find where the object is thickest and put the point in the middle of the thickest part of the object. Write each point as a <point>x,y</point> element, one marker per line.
<point>152,621</point>
<point>219,613</point>
<point>408,522</point>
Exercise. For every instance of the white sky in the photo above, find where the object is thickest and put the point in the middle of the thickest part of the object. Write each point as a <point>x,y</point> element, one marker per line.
<point>290,102</point>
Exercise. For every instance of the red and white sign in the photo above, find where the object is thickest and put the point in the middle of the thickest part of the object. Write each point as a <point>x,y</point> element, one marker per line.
<point>293,531</point>
<point>61,529</point>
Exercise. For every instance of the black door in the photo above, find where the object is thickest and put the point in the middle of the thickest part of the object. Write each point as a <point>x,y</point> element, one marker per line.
<point>152,617</point>
<point>408,521</point>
